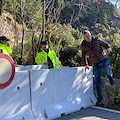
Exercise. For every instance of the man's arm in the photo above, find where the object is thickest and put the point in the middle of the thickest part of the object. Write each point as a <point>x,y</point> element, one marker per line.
<point>56,61</point>
<point>106,45</point>
<point>39,60</point>
<point>9,50</point>
<point>84,59</point>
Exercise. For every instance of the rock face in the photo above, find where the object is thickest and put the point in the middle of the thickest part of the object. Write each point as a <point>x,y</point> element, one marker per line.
<point>111,93</point>
<point>113,15</point>
<point>9,28</point>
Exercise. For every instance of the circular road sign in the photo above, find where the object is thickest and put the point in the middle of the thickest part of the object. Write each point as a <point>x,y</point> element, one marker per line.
<point>7,70</point>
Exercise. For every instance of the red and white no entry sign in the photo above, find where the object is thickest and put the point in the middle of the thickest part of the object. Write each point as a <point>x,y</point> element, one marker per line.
<point>7,70</point>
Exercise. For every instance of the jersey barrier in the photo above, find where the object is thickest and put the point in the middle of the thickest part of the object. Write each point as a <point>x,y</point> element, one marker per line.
<point>36,93</point>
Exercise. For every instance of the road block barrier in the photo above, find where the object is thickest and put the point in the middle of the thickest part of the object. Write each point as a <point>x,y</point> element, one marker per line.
<point>46,94</point>
<point>7,70</point>
<point>15,99</point>
<point>56,92</point>
<point>30,67</point>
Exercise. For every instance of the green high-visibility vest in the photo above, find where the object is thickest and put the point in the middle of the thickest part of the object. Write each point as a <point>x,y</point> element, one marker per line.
<point>5,49</point>
<point>42,57</point>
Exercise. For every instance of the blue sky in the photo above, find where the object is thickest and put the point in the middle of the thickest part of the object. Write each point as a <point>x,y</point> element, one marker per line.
<point>114,1</point>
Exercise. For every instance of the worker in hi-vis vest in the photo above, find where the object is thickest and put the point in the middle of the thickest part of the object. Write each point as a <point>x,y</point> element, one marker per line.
<point>5,46</point>
<point>46,56</point>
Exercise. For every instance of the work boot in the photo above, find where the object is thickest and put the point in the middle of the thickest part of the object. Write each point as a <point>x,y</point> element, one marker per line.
<point>99,100</point>
<point>111,81</point>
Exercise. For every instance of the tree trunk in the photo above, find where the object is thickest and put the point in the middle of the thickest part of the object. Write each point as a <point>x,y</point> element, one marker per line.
<point>33,48</point>
<point>23,32</point>
<point>43,29</point>
<point>0,7</point>
<point>15,37</point>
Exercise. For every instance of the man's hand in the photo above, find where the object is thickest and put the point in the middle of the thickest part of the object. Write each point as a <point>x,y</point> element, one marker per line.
<point>109,50</point>
<point>87,67</point>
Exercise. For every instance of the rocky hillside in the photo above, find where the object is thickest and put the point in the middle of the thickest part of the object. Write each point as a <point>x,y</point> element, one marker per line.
<point>114,15</point>
<point>9,28</point>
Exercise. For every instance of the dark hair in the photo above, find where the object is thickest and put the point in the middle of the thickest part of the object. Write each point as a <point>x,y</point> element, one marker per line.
<point>3,38</point>
<point>44,43</point>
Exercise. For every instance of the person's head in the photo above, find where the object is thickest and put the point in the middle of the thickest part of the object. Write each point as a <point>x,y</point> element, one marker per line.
<point>87,35</point>
<point>45,45</point>
<point>3,40</point>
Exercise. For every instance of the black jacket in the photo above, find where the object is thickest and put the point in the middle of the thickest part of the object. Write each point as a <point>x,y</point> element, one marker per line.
<point>94,51</point>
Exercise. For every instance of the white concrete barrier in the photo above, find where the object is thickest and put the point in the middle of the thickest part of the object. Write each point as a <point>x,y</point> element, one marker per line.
<point>61,91</point>
<point>45,94</point>
<point>15,99</point>
<point>30,67</point>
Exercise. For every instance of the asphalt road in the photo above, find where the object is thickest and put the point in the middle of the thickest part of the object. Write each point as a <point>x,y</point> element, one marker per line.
<point>92,113</point>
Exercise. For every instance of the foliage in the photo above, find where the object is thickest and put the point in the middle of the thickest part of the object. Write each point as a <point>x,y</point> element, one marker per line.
<point>114,58</point>
<point>71,40</point>
<point>16,55</point>
<point>104,11</point>
<point>68,13</point>
<point>92,14</point>
<point>64,23</point>
<point>116,12</point>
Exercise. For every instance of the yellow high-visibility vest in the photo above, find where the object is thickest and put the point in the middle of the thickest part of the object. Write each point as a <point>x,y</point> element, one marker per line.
<point>41,58</point>
<point>5,49</point>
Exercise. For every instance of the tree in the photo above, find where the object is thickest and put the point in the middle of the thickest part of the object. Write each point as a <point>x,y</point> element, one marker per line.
<point>30,18</point>
<point>104,12</point>
<point>92,14</point>
<point>1,7</point>
<point>23,32</point>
